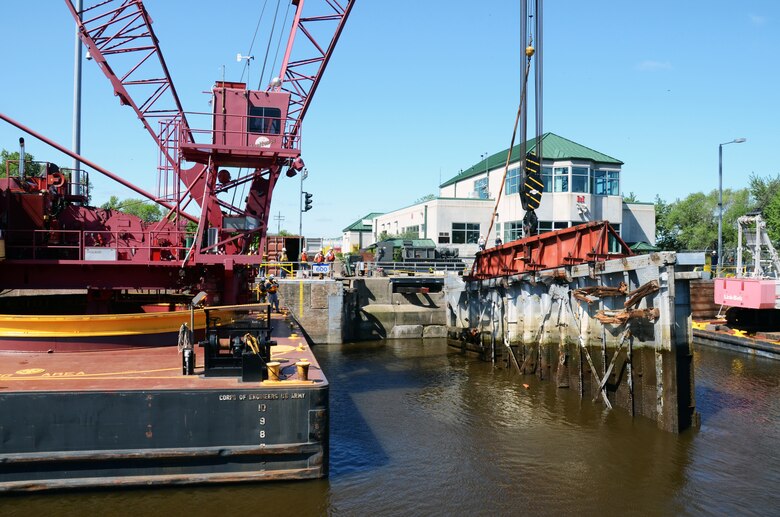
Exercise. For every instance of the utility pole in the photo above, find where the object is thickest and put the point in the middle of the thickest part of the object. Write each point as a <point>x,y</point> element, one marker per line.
<point>279,218</point>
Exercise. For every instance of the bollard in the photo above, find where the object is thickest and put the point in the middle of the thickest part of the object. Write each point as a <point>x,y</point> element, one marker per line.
<point>303,370</point>
<point>273,370</point>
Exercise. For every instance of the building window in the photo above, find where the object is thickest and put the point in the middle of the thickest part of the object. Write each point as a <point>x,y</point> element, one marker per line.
<point>606,183</point>
<point>481,188</point>
<point>465,233</point>
<point>513,230</point>
<point>414,230</point>
<point>614,245</point>
<point>561,179</point>
<point>444,238</point>
<point>579,179</point>
<point>547,179</point>
<point>512,181</point>
<point>548,226</point>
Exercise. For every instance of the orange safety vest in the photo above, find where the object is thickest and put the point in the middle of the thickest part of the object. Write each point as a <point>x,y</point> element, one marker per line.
<point>319,258</point>
<point>304,257</point>
<point>330,257</point>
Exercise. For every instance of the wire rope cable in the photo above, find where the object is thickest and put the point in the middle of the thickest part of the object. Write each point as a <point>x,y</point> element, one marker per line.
<point>252,44</point>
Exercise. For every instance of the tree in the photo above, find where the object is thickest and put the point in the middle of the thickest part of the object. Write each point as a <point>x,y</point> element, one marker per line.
<point>146,211</point>
<point>12,168</point>
<point>692,223</point>
<point>665,231</point>
<point>772,218</point>
<point>766,197</point>
<point>630,198</point>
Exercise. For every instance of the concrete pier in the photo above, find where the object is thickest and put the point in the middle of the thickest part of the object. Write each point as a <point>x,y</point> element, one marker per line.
<point>572,326</point>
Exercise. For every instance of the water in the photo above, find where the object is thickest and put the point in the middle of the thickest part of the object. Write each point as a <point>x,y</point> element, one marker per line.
<point>419,429</point>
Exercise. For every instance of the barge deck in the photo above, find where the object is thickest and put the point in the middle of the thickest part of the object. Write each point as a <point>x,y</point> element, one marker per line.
<point>130,417</point>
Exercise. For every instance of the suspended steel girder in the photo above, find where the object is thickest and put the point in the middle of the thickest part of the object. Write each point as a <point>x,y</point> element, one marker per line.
<point>579,244</point>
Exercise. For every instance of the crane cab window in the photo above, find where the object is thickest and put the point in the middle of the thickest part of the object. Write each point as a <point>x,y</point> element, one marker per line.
<point>264,120</point>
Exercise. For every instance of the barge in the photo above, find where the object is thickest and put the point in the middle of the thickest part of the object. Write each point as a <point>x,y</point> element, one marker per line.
<point>134,417</point>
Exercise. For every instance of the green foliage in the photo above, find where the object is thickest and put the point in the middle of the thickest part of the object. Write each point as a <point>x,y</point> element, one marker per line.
<point>692,223</point>
<point>665,231</point>
<point>148,212</point>
<point>406,235</point>
<point>766,196</point>
<point>284,233</point>
<point>630,198</point>
<point>13,168</point>
<point>772,218</point>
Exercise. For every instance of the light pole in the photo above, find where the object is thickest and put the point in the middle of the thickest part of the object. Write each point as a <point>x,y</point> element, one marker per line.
<point>720,200</point>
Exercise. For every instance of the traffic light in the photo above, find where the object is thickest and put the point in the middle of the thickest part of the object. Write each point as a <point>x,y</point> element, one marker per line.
<point>306,201</point>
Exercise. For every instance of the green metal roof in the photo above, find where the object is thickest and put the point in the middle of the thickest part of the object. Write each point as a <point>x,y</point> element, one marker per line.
<point>554,147</point>
<point>644,247</point>
<point>358,225</point>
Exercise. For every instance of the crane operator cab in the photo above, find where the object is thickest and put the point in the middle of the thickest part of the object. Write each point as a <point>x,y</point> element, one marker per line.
<point>250,120</point>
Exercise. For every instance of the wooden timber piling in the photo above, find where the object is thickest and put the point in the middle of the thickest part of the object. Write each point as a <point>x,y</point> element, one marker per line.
<point>619,331</point>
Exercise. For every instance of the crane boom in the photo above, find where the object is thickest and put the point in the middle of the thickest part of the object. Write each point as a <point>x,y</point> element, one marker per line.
<point>121,30</point>
<point>302,75</point>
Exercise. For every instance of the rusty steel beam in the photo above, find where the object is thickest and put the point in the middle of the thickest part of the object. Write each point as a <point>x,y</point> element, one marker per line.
<point>580,244</point>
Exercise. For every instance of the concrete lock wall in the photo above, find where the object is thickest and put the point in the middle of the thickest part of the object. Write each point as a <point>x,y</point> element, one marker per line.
<point>639,360</point>
<point>318,306</point>
<point>382,314</point>
<point>362,309</point>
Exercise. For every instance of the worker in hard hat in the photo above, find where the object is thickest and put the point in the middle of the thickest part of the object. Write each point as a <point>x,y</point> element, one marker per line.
<point>330,258</point>
<point>319,258</point>
<point>271,287</point>
<point>283,258</point>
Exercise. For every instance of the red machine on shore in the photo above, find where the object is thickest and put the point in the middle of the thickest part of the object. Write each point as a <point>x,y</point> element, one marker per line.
<point>54,240</point>
<point>752,294</point>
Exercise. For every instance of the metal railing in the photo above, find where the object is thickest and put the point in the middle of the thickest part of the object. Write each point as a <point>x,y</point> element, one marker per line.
<point>130,246</point>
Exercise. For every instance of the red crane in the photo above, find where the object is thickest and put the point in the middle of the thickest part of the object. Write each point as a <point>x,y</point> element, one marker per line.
<point>256,132</point>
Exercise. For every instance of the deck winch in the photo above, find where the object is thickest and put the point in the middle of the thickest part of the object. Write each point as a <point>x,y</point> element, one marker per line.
<point>242,348</point>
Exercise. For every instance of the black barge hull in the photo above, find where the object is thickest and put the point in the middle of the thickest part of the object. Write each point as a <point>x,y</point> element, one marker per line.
<point>115,419</point>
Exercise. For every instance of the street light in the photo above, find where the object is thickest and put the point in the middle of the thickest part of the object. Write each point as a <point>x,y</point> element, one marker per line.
<point>720,199</point>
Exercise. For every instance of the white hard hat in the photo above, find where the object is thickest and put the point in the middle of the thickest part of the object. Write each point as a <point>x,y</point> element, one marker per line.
<point>271,277</point>
<point>284,249</point>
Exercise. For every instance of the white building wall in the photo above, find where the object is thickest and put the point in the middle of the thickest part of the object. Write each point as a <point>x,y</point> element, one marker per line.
<point>355,239</point>
<point>639,222</point>
<point>561,207</point>
<point>441,214</point>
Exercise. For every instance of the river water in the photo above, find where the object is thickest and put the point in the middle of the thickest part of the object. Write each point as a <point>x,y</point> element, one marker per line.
<point>419,429</point>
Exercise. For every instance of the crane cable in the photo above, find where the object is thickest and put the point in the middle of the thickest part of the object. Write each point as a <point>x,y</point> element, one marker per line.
<point>529,52</point>
<point>268,47</point>
<point>252,44</point>
<point>279,41</point>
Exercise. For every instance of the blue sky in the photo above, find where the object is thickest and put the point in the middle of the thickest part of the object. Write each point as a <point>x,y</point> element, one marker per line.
<point>416,91</point>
